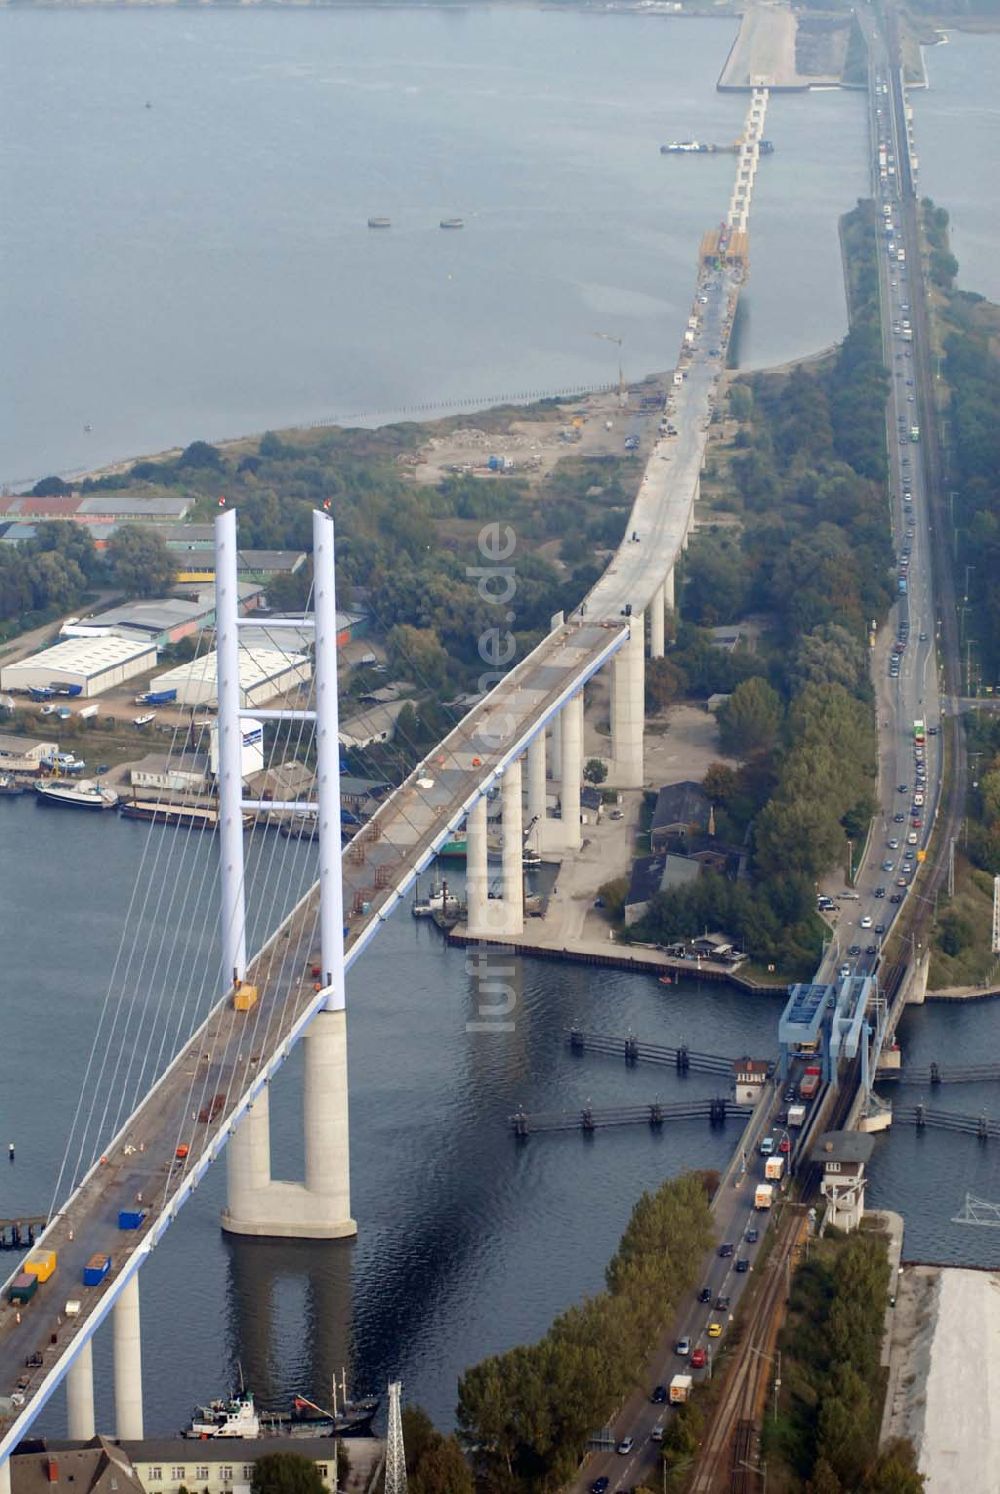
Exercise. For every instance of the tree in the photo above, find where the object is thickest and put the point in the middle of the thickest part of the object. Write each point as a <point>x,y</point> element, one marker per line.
<point>286,1473</point>
<point>140,562</point>
<point>594,770</point>
<point>201,454</point>
<point>50,487</point>
<point>664,683</point>
<point>417,653</point>
<point>750,720</point>
<point>894,1471</point>
<point>442,1470</point>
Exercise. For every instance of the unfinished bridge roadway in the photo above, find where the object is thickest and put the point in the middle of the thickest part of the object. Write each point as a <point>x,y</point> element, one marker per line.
<point>164,1149</point>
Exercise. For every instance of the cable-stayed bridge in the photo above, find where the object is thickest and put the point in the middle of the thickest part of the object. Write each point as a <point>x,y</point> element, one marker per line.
<point>125,1177</point>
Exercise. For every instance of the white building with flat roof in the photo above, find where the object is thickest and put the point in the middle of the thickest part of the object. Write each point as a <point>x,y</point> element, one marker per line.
<point>95,664</point>
<point>264,673</point>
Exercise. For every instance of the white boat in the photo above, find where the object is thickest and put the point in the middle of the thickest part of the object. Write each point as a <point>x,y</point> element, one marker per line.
<point>234,1417</point>
<point>85,794</point>
<point>145,719</point>
<point>438,900</point>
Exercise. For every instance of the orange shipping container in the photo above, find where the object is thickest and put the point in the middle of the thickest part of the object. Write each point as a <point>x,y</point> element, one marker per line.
<point>42,1264</point>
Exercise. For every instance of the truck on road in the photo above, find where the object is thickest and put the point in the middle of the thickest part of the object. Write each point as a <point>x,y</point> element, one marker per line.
<point>774,1169</point>
<point>680,1389</point>
<point>763,1196</point>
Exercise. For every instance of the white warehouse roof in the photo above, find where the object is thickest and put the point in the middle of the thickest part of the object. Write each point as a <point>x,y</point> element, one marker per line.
<point>264,673</point>
<point>100,662</point>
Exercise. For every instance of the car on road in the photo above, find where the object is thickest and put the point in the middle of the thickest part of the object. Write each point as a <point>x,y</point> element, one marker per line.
<point>880,928</point>
<point>683,1347</point>
<point>742,1265</point>
<point>722,1302</point>
<point>699,1359</point>
<point>725,1249</point>
<point>872,949</point>
<point>714,1329</point>
<point>902,788</point>
<point>893,846</point>
<point>658,1395</point>
<point>880,892</point>
<point>845,971</point>
<point>897,897</point>
<point>866,922</point>
<point>600,1485</point>
<point>790,1095</point>
<point>753,1235</point>
<point>854,951</point>
<point>625,1446</point>
<point>888,864</point>
<point>785,1146</point>
<point>705,1295</point>
<point>899,819</point>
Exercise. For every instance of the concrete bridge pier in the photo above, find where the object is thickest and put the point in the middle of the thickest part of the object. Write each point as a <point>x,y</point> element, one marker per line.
<point>628,707</point>
<point>657,632</point>
<point>327,1133</point>
<point>513,851</point>
<point>477,882</point>
<point>569,794</point>
<point>537,788</point>
<point>669,597</point>
<point>128,1363</point>
<point>555,725</point>
<point>80,1395</point>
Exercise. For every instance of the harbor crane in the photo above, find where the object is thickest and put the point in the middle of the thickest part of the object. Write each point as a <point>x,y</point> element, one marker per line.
<point>611,337</point>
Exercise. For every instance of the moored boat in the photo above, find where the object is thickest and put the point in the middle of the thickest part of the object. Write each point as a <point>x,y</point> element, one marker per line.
<point>452,222</point>
<point>86,794</point>
<point>378,222</point>
<point>9,786</point>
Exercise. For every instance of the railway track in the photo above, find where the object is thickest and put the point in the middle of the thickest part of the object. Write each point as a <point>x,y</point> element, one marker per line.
<point>729,1460</point>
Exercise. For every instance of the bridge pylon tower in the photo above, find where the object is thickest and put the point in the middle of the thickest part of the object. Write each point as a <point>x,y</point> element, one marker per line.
<point>257,1204</point>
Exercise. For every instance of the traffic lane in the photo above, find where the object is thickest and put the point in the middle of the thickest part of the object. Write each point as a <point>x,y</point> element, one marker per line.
<point>640,1415</point>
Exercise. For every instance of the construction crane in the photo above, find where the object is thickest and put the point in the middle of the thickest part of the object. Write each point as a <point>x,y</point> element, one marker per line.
<point>610,337</point>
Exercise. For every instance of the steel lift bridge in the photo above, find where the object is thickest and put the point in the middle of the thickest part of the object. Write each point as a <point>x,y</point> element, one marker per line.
<point>213,1093</point>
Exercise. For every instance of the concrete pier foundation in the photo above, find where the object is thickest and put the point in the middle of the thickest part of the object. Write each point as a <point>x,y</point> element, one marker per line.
<point>628,708</point>
<point>572,726</point>
<point>80,1421</point>
<point>657,631</point>
<point>477,883</point>
<point>128,1363</point>
<point>668,591</point>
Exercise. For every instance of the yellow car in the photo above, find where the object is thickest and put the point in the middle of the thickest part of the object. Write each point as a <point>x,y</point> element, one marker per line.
<point>715,1330</point>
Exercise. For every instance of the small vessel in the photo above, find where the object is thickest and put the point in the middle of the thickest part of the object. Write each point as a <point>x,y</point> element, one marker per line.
<point>85,794</point>
<point>144,719</point>
<point>452,222</point>
<point>349,1418</point>
<point>9,786</point>
<point>379,222</point>
<point>685,148</point>
<point>438,900</point>
<point>666,980</point>
<point>235,1416</point>
<point>303,825</point>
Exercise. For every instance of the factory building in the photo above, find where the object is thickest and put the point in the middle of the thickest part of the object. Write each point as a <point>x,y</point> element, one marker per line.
<point>264,673</point>
<point>93,664</point>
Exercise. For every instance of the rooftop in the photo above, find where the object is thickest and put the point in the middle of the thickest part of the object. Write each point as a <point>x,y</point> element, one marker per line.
<point>13,746</point>
<point>154,616</point>
<point>843,1146</point>
<point>125,505</point>
<point>681,804</point>
<point>86,655</point>
<point>256,667</point>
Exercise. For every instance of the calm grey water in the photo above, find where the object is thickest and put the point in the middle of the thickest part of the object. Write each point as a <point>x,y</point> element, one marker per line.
<point>957,122</point>
<point>468,1243</point>
<point>202,267</point>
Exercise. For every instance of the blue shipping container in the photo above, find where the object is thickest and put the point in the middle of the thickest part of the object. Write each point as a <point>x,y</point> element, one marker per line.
<point>96,1269</point>
<point>131,1218</point>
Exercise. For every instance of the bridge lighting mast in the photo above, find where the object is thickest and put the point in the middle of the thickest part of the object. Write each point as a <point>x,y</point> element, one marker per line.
<point>395,1454</point>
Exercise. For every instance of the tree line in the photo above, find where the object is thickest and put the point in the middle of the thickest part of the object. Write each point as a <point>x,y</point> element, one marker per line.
<point>833,1386</point>
<point>526,1414</point>
<point>59,567</point>
<point>812,553</point>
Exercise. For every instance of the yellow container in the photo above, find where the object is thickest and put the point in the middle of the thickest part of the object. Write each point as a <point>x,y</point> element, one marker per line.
<point>244,998</point>
<point>42,1264</point>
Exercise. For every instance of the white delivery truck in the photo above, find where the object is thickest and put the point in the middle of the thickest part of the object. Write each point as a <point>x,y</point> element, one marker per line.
<point>764,1196</point>
<point>680,1389</point>
<point>796,1115</point>
<point>774,1169</point>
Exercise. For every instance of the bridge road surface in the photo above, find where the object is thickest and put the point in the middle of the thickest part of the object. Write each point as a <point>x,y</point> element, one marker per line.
<point>246,1049</point>
<point>733,1213</point>
<point>233,1050</point>
<point>914,695</point>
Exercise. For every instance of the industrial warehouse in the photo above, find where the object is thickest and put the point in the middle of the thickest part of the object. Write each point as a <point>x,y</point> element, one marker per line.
<point>81,666</point>
<point>264,673</point>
